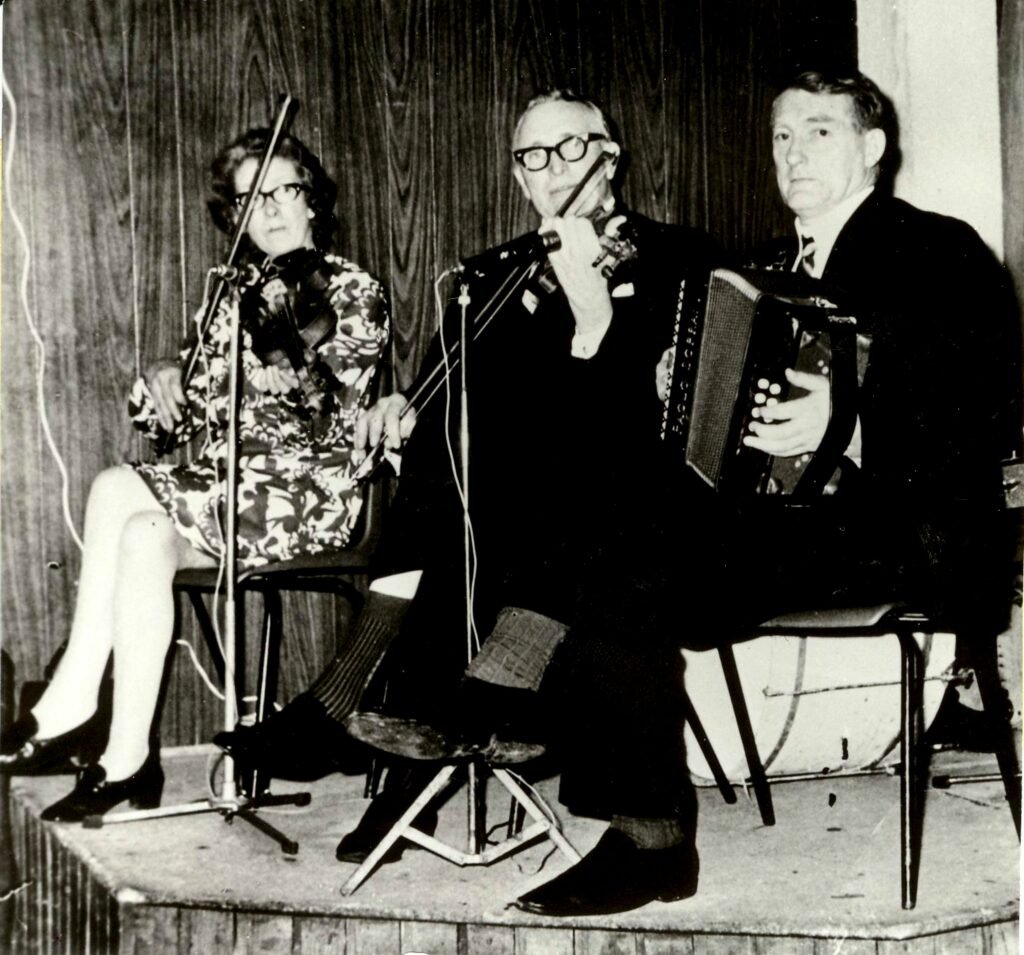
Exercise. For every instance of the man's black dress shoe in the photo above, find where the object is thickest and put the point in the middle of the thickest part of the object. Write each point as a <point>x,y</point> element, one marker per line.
<point>94,796</point>
<point>400,791</point>
<point>23,754</point>
<point>299,742</point>
<point>616,876</point>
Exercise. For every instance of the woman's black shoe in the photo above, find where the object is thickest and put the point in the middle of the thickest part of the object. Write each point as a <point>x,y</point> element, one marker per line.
<point>382,813</point>
<point>22,754</point>
<point>616,876</point>
<point>94,796</point>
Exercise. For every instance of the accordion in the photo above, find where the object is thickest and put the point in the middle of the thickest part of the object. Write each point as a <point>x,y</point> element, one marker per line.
<point>738,335</point>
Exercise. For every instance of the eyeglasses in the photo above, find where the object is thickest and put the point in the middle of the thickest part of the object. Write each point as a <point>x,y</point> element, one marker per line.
<point>283,195</point>
<point>573,149</point>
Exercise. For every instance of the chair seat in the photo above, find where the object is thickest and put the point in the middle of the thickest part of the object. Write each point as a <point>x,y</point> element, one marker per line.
<point>286,574</point>
<point>866,617</point>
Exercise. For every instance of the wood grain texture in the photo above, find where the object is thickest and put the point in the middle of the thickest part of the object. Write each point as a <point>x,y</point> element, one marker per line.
<point>1011,99</point>
<point>544,941</point>
<point>490,940</point>
<point>411,104</point>
<point>430,938</point>
<point>367,937</point>
<point>256,933</point>
<point>203,930</point>
<point>597,942</point>
<point>321,936</point>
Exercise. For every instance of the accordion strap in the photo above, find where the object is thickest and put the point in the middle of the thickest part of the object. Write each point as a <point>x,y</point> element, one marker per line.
<point>843,412</point>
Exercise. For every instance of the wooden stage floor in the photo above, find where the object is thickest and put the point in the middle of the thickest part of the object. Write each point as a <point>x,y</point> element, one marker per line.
<point>823,880</point>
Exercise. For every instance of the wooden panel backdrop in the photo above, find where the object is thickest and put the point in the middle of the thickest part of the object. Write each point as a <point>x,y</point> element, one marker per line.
<point>121,104</point>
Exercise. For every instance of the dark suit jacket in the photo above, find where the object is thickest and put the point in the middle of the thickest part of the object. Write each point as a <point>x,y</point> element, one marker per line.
<point>940,404</point>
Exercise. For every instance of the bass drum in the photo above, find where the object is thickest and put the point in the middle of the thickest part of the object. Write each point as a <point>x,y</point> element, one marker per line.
<point>817,704</point>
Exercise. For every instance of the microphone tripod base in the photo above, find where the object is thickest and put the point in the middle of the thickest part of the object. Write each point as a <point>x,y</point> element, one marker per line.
<point>242,807</point>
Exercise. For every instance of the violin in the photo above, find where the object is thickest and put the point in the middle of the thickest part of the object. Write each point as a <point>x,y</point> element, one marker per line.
<point>288,314</point>
<point>616,247</point>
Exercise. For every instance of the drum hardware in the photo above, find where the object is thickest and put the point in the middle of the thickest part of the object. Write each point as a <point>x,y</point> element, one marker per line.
<point>951,680</point>
<point>945,781</point>
<point>825,773</point>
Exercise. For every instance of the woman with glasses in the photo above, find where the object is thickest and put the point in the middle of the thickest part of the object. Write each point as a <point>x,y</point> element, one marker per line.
<point>145,521</point>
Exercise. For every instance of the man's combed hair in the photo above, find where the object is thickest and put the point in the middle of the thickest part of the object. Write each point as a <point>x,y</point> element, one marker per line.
<point>251,145</point>
<point>871,107</point>
<point>564,95</point>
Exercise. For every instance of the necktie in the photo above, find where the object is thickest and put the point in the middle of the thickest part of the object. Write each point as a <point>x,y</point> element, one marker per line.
<point>807,250</point>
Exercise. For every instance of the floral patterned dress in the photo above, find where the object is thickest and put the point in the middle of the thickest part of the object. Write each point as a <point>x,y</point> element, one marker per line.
<point>295,494</point>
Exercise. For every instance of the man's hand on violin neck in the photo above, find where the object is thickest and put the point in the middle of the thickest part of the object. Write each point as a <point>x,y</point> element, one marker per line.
<point>163,378</point>
<point>385,420</point>
<point>575,267</point>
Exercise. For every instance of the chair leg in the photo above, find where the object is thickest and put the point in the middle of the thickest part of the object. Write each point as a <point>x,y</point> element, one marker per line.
<point>911,800</point>
<point>266,681</point>
<point>758,779</point>
<point>707,751</point>
<point>207,629</point>
<point>993,700</point>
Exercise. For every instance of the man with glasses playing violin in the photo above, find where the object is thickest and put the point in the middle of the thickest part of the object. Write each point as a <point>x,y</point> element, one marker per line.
<point>563,422</point>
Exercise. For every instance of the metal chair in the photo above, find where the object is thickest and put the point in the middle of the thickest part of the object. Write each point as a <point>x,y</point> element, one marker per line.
<point>333,572</point>
<point>876,621</point>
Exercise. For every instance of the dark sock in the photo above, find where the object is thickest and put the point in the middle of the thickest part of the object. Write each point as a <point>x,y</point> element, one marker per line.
<point>518,649</point>
<point>650,833</point>
<point>341,684</point>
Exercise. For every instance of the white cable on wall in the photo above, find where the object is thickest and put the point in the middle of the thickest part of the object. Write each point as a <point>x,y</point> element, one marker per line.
<point>29,319</point>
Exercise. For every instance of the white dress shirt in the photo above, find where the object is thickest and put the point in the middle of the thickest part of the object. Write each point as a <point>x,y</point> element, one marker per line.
<point>825,229</point>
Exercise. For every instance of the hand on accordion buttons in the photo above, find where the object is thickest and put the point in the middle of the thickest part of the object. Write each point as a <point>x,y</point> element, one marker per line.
<point>663,373</point>
<point>792,427</point>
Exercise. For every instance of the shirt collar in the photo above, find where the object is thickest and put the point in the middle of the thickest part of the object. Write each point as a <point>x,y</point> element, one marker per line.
<point>825,229</point>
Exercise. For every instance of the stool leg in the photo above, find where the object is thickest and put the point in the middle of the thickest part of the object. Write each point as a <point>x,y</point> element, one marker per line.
<point>758,779</point>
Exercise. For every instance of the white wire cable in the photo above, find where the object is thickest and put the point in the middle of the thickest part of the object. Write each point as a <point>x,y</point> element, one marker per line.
<point>209,423</point>
<point>65,495</point>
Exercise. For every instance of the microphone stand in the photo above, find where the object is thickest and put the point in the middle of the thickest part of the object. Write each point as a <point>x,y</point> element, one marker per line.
<point>230,802</point>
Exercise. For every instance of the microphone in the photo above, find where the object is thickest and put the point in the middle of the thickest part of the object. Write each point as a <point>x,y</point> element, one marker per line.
<point>550,241</point>
<point>522,250</point>
<point>237,275</point>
